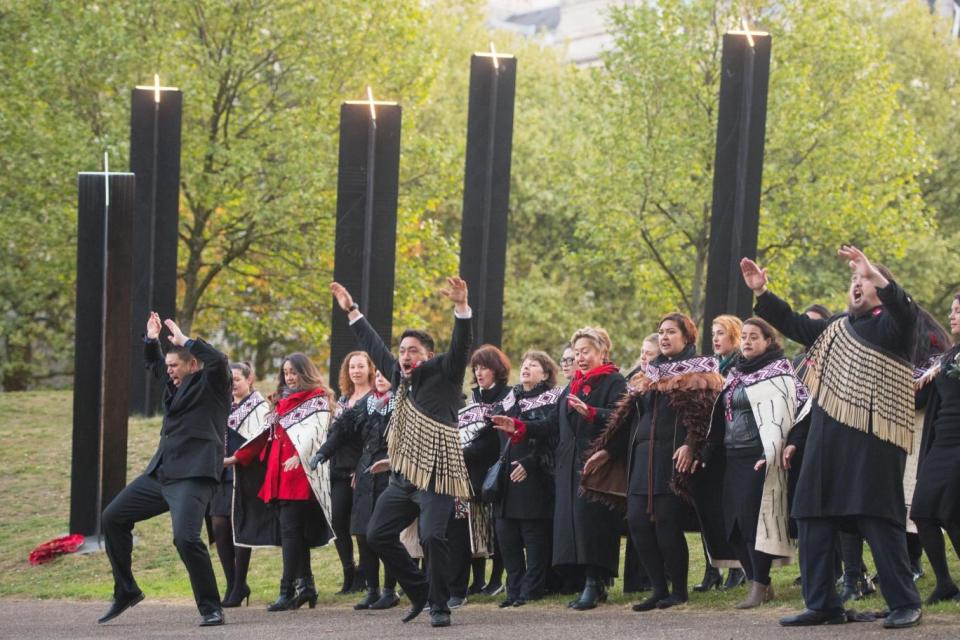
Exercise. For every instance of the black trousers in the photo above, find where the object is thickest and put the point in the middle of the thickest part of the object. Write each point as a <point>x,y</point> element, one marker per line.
<point>460,554</point>
<point>294,547</point>
<point>341,503</point>
<point>370,565</point>
<point>148,496</point>
<point>889,544</point>
<point>660,543</point>
<point>526,576</point>
<point>397,507</point>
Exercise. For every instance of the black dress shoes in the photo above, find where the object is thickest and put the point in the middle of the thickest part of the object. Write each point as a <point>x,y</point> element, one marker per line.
<point>810,618</point>
<point>439,618</point>
<point>120,605</point>
<point>902,618</point>
<point>416,606</point>
<point>212,619</point>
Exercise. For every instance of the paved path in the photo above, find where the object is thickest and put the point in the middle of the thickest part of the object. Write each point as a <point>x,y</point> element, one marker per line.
<point>26,619</point>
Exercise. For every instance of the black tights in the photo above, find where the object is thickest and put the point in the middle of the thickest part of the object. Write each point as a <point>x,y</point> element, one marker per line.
<point>341,499</point>
<point>661,545</point>
<point>234,560</point>
<point>931,537</point>
<point>756,564</point>
<point>293,541</point>
<point>370,566</point>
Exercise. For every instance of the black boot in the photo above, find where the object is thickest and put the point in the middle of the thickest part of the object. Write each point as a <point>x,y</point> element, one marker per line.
<point>590,596</point>
<point>712,579</point>
<point>359,582</point>
<point>851,588</point>
<point>349,573</point>
<point>735,578</point>
<point>304,591</point>
<point>283,601</point>
<point>372,596</point>
<point>236,597</point>
<point>388,600</point>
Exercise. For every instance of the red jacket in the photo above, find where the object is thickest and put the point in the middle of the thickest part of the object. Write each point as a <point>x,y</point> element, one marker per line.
<point>274,448</point>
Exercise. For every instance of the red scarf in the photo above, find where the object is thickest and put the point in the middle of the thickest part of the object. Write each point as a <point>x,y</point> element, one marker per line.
<point>583,380</point>
<point>294,400</point>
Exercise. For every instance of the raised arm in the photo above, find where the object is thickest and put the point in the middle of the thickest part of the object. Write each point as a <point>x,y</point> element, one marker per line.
<point>777,312</point>
<point>368,339</point>
<point>454,361</point>
<point>152,353</point>
<point>216,368</point>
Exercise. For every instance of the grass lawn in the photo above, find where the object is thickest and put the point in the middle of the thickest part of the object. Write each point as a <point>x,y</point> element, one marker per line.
<point>35,428</point>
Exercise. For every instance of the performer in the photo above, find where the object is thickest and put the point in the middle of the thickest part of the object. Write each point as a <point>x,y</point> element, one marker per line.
<point>725,334</point>
<point>649,350</point>
<point>366,422</point>
<point>585,533</point>
<point>248,416</point>
<point>525,510</point>
<point>276,462</point>
<point>470,532</point>
<point>356,383</point>
<point>751,420</point>
<point>647,454</point>
<point>936,497</point>
<point>568,363</point>
<point>424,450</point>
<point>861,430</point>
<point>184,472</point>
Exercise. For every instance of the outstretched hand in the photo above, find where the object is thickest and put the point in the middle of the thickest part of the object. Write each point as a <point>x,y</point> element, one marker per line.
<point>153,326</point>
<point>861,265</point>
<point>504,423</point>
<point>753,276</point>
<point>344,299</point>
<point>176,336</point>
<point>456,290</point>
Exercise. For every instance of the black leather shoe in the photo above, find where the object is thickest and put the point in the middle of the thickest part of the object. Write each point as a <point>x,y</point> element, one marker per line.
<point>650,603</point>
<point>388,600</point>
<point>851,589</point>
<point>507,602</point>
<point>902,618</point>
<point>712,579</point>
<point>735,578</point>
<point>439,618</point>
<point>456,602</point>
<point>416,606</point>
<point>372,596</point>
<point>519,602</point>
<point>119,606</point>
<point>672,600</point>
<point>212,619</point>
<point>810,618</point>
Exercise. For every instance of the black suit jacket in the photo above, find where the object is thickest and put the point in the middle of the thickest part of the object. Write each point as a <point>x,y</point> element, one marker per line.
<point>436,386</point>
<point>194,415</point>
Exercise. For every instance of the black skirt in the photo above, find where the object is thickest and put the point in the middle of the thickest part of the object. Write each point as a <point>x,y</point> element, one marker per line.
<point>742,493</point>
<point>221,505</point>
<point>937,494</point>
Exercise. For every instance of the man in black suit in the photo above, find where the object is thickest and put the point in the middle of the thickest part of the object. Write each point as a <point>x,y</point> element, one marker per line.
<point>435,386</point>
<point>184,472</point>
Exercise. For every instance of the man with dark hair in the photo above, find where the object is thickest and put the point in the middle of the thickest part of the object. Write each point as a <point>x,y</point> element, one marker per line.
<point>862,419</point>
<point>424,450</point>
<point>184,472</point>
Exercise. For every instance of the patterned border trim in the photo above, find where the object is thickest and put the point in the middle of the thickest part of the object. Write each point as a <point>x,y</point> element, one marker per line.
<point>238,415</point>
<point>303,411</point>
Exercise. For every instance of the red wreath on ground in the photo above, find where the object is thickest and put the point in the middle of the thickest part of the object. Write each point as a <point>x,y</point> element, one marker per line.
<point>52,548</point>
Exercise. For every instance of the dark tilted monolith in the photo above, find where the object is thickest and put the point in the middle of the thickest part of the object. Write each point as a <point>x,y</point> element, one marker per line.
<point>102,352</point>
<point>155,118</point>
<point>738,171</point>
<point>366,234</point>
<point>486,190</point>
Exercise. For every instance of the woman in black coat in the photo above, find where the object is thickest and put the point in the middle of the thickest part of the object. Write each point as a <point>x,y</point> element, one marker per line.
<point>525,509</point>
<point>585,533</point>
<point>364,426</point>
<point>936,498</point>
<point>648,452</point>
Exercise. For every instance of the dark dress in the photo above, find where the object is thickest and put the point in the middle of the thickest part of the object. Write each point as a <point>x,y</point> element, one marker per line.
<point>937,493</point>
<point>585,533</point>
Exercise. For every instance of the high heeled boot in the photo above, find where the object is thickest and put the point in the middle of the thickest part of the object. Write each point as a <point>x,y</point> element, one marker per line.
<point>283,601</point>
<point>589,597</point>
<point>304,591</point>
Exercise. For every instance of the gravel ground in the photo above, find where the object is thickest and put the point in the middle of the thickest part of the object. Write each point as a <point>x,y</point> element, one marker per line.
<point>76,620</point>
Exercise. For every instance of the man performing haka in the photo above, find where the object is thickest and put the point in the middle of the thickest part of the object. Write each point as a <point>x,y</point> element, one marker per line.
<point>860,378</point>
<point>423,447</point>
<point>184,472</point>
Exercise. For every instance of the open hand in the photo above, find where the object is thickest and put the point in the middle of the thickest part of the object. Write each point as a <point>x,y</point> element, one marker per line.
<point>861,265</point>
<point>753,276</point>
<point>176,336</point>
<point>344,299</point>
<point>578,405</point>
<point>291,463</point>
<point>380,466</point>
<point>594,461</point>
<point>153,326</point>
<point>685,462</point>
<point>456,290</point>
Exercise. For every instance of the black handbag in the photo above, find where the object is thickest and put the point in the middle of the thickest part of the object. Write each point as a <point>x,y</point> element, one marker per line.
<point>492,489</point>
